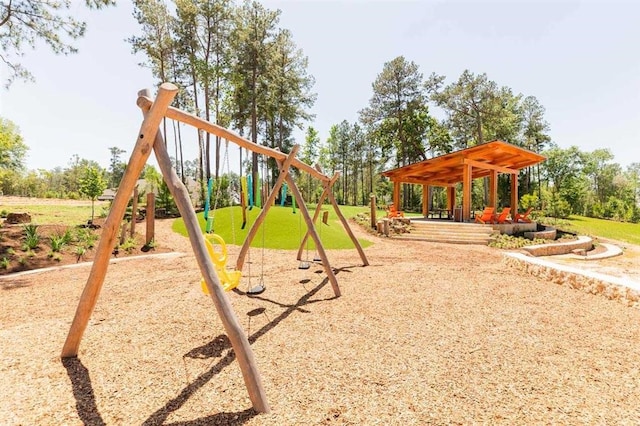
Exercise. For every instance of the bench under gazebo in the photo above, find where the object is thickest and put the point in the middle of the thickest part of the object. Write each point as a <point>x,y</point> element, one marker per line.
<point>485,160</point>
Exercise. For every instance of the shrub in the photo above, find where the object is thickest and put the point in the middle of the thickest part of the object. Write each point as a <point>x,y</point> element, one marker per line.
<point>31,242</point>
<point>80,252</point>
<point>129,245</point>
<point>4,263</point>
<point>57,242</point>
<point>4,214</point>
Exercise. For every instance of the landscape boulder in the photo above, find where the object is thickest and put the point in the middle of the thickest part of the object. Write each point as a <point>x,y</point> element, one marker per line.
<point>15,218</point>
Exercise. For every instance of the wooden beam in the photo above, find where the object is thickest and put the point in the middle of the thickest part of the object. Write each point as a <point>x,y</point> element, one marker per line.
<point>451,199</point>
<point>139,156</point>
<point>199,123</point>
<point>466,193</point>
<point>134,210</point>
<point>236,334</point>
<point>312,231</point>
<point>284,171</point>
<point>325,192</point>
<point>347,228</point>
<point>483,165</point>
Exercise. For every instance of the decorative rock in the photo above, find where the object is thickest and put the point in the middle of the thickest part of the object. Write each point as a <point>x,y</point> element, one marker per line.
<point>15,218</point>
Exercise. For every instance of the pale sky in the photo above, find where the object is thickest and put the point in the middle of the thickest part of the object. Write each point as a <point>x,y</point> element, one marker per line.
<point>580,60</point>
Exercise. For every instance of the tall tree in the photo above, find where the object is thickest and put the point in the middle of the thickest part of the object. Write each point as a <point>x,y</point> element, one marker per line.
<point>470,103</point>
<point>252,44</point>
<point>116,166</point>
<point>25,22</point>
<point>92,184</point>
<point>12,147</point>
<point>398,97</point>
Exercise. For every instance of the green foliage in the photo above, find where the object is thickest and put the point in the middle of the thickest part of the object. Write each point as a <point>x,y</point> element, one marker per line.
<point>12,147</point>
<point>165,199</point>
<point>621,231</point>
<point>92,184</point>
<point>529,200</point>
<point>80,251</point>
<point>282,229</point>
<point>32,239</point>
<point>4,214</point>
<point>4,263</point>
<point>510,242</point>
<point>56,242</point>
<point>86,237</point>
<point>29,23</point>
<point>129,245</point>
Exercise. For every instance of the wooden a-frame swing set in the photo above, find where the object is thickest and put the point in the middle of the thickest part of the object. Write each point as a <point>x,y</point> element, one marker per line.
<point>150,138</point>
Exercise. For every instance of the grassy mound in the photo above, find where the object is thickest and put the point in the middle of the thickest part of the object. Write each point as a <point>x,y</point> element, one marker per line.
<point>282,228</point>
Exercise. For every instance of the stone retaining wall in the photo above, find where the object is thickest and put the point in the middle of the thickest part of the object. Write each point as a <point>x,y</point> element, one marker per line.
<point>614,288</point>
<point>582,242</point>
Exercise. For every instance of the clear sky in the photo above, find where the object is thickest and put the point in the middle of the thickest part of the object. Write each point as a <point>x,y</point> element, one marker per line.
<point>580,59</point>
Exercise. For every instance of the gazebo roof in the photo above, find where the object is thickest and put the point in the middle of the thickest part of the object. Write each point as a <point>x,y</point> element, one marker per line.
<point>447,170</point>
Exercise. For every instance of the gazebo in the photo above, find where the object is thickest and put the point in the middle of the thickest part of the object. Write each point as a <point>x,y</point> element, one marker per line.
<point>485,160</point>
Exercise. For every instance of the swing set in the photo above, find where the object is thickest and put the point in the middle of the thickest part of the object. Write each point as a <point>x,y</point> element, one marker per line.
<point>211,262</point>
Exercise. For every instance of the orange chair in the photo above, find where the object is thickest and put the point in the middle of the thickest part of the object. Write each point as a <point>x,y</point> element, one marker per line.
<point>522,217</point>
<point>486,216</point>
<point>392,212</point>
<point>502,217</point>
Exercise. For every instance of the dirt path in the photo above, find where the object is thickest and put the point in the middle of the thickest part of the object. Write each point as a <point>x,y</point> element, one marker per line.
<point>427,334</point>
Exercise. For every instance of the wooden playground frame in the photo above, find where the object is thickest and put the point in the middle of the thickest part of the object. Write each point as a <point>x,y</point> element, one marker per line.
<point>150,138</point>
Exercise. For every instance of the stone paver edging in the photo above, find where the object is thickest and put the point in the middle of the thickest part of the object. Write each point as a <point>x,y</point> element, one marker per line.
<point>615,288</point>
<point>582,242</point>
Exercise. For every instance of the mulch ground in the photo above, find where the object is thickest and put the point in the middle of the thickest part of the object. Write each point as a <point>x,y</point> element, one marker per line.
<point>427,334</point>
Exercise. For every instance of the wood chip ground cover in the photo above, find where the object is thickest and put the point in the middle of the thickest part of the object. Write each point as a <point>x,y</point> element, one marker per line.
<point>427,334</point>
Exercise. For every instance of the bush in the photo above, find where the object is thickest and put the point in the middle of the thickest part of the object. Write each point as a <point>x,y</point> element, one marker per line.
<point>57,242</point>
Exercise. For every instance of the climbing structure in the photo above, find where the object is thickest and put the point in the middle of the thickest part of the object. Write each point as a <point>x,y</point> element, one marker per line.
<point>150,138</point>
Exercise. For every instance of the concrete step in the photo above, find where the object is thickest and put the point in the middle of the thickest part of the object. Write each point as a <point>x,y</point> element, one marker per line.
<point>459,233</point>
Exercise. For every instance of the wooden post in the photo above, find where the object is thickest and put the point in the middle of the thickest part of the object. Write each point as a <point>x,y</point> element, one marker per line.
<point>150,217</point>
<point>347,228</point>
<point>312,231</point>
<point>466,192</point>
<point>239,341</point>
<point>385,226</point>
<point>139,157</point>
<point>373,210</point>
<point>425,200</point>
<point>493,189</point>
<point>514,194</point>
<point>325,191</point>
<point>396,195</point>
<point>284,171</point>
<point>134,211</point>
<point>123,233</point>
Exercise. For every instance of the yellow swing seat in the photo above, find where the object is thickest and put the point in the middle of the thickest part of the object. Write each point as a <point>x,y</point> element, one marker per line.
<point>228,279</point>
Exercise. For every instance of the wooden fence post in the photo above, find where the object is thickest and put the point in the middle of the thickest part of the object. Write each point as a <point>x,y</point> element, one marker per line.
<point>150,217</point>
<point>373,211</point>
<point>134,211</point>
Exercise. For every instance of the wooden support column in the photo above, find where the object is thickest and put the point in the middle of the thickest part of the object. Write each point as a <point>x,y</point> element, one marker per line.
<point>312,231</point>
<point>325,192</point>
<point>150,217</point>
<point>347,228</point>
<point>284,171</point>
<point>396,196</point>
<point>139,156</point>
<point>425,200</point>
<point>466,192</point>
<point>236,334</point>
<point>373,211</point>
<point>451,198</point>
<point>493,189</point>
<point>514,194</point>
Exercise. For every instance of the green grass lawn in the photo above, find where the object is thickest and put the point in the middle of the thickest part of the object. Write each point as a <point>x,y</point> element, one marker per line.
<point>622,231</point>
<point>62,214</point>
<point>282,228</point>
